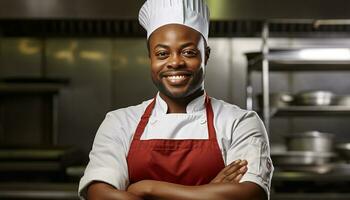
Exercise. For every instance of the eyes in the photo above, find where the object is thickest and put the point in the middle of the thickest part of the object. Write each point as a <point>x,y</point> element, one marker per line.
<point>162,54</point>
<point>188,53</point>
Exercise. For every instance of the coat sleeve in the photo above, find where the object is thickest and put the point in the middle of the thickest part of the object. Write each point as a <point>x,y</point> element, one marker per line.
<point>108,156</point>
<point>250,142</point>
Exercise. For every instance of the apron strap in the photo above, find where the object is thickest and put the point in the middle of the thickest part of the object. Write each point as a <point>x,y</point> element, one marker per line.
<point>144,120</point>
<point>210,118</point>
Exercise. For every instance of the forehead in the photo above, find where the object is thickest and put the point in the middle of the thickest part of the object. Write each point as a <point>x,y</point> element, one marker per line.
<point>174,34</point>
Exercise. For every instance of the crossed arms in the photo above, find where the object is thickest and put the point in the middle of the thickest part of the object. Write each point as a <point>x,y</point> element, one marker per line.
<point>225,186</point>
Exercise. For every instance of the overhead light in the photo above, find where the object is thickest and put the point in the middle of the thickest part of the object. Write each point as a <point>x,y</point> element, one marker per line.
<point>325,54</point>
<point>28,47</point>
<point>91,55</point>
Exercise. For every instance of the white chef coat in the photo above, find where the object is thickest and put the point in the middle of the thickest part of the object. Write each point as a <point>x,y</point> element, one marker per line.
<point>240,134</point>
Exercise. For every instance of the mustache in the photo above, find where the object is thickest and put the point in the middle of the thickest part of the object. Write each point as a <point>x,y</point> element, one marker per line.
<point>175,73</point>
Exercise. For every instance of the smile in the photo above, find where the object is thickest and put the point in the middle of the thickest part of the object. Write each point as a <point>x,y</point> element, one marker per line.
<point>177,79</point>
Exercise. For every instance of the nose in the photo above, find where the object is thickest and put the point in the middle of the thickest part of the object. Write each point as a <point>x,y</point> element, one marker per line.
<point>176,61</point>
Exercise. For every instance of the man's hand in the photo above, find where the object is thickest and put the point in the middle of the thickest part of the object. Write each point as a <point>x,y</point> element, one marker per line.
<point>100,190</point>
<point>232,173</point>
<point>141,188</point>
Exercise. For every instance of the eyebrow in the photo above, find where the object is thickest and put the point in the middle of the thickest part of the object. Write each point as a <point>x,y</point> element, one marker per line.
<point>161,46</point>
<point>182,46</point>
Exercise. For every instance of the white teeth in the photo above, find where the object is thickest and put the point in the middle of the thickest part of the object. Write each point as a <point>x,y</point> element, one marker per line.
<point>176,77</point>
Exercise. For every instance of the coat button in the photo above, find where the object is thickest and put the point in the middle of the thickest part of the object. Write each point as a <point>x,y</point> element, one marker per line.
<point>153,121</point>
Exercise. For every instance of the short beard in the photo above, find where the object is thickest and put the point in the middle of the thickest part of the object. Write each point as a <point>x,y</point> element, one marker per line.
<point>162,89</point>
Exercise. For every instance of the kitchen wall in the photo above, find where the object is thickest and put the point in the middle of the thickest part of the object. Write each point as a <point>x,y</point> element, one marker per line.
<point>110,73</point>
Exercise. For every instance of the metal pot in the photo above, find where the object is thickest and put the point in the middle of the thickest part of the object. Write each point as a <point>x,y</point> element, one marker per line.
<point>280,99</point>
<point>342,100</point>
<point>301,158</point>
<point>344,150</point>
<point>314,98</point>
<point>310,141</point>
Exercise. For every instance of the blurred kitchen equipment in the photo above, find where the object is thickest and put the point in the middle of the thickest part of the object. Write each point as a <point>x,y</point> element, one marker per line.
<point>314,98</point>
<point>314,141</point>
<point>41,163</point>
<point>342,100</point>
<point>341,168</point>
<point>280,99</point>
<point>318,169</point>
<point>344,150</point>
<point>301,158</point>
<point>34,102</point>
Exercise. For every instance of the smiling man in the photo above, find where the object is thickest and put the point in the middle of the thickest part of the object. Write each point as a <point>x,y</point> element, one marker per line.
<point>178,57</point>
<point>182,144</point>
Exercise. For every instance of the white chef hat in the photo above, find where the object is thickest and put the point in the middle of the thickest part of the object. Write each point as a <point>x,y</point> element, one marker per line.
<point>192,13</point>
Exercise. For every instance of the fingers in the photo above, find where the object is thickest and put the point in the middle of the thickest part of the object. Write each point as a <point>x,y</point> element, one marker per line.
<point>235,171</point>
<point>235,166</point>
<point>221,175</point>
<point>237,178</point>
<point>236,175</point>
<point>232,173</point>
<point>230,166</point>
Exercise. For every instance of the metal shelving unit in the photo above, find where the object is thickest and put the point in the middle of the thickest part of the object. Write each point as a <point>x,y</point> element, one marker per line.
<point>291,111</point>
<point>311,111</point>
<point>289,185</point>
<point>292,60</point>
<point>289,60</point>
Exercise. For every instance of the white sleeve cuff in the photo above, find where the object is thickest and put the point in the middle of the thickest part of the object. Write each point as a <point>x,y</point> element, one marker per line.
<point>249,177</point>
<point>104,175</point>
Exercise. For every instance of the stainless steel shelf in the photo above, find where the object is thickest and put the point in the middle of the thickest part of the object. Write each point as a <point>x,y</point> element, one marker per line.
<point>75,171</point>
<point>38,190</point>
<point>311,111</point>
<point>33,166</point>
<point>312,196</point>
<point>298,185</point>
<point>28,88</point>
<point>291,60</point>
<point>32,85</point>
<point>308,176</point>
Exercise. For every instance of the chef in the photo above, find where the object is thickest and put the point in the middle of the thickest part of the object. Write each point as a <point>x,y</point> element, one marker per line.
<point>182,144</point>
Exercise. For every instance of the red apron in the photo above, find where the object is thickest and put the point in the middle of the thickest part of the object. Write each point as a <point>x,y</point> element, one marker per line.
<point>186,162</point>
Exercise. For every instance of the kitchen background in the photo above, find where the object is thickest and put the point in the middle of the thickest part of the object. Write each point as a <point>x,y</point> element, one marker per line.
<point>64,65</point>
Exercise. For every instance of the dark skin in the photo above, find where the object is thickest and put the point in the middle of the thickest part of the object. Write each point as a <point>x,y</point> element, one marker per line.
<point>178,57</point>
<point>182,57</point>
<point>142,190</point>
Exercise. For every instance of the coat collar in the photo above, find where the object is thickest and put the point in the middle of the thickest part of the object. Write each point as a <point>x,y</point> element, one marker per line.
<point>195,105</point>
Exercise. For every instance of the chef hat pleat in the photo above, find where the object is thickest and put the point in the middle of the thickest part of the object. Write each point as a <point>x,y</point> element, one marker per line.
<point>192,13</point>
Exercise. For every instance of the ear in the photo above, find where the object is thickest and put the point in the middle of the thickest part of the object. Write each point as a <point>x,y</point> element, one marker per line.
<point>207,54</point>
